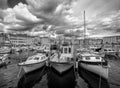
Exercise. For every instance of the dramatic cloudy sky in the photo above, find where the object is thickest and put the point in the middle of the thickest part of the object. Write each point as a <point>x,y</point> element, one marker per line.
<point>102,16</point>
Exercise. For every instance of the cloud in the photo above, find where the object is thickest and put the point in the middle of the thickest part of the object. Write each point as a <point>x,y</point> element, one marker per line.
<point>50,10</point>
<point>26,15</point>
<point>63,15</point>
<point>36,12</point>
<point>96,7</point>
<point>15,20</point>
<point>1,27</point>
<point>27,18</point>
<point>105,24</point>
<point>47,6</point>
<point>1,14</point>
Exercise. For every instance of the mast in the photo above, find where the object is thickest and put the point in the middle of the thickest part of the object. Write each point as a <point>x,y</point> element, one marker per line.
<point>84,31</point>
<point>59,48</point>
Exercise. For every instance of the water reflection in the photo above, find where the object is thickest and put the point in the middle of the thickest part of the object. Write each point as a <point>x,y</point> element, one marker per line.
<point>30,79</point>
<point>93,80</point>
<point>55,80</point>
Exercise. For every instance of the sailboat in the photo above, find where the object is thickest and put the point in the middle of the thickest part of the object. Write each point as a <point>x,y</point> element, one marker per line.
<point>62,60</point>
<point>93,62</point>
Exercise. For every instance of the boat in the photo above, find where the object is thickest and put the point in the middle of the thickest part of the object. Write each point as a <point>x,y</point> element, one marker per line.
<point>4,50</point>
<point>4,60</point>
<point>62,60</point>
<point>34,62</point>
<point>94,63</point>
<point>2,63</point>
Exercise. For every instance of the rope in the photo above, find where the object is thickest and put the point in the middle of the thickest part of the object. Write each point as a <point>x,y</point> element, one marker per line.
<point>19,72</point>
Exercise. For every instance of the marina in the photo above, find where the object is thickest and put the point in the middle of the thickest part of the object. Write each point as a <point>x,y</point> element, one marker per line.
<point>47,77</point>
<point>59,44</point>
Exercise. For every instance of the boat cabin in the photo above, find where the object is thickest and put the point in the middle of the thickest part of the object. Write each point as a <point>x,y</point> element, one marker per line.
<point>38,57</point>
<point>66,52</point>
<point>91,57</point>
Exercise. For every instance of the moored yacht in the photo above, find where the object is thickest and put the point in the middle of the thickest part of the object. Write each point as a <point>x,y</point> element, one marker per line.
<point>95,64</point>
<point>62,60</point>
<point>34,62</point>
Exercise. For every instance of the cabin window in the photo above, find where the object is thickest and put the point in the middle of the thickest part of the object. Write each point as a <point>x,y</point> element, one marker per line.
<point>97,57</point>
<point>87,58</point>
<point>36,58</point>
<point>105,50</point>
<point>42,58</point>
<point>69,50</point>
<point>65,50</point>
<point>30,58</point>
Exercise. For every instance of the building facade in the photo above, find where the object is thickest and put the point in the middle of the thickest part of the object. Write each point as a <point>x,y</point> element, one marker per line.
<point>112,43</point>
<point>4,41</point>
<point>91,43</point>
<point>20,40</point>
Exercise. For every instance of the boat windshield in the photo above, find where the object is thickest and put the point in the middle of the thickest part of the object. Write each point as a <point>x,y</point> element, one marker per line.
<point>36,58</point>
<point>43,57</point>
<point>97,57</point>
<point>87,58</point>
<point>94,58</point>
<point>30,58</point>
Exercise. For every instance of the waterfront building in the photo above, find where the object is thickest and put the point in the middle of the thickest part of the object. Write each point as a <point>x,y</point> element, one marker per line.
<point>4,41</point>
<point>112,43</point>
<point>20,40</point>
<point>91,43</point>
<point>45,43</point>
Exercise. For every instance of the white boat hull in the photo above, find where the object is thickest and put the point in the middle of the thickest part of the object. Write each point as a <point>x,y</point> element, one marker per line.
<point>31,67</point>
<point>61,67</point>
<point>97,69</point>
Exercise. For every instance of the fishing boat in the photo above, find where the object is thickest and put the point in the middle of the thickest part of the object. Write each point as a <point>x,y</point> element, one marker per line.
<point>62,60</point>
<point>34,62</point>
<point>95,64</point>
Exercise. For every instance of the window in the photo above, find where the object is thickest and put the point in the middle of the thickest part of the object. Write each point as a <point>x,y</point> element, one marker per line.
<point>36,58</point>
<point>69,50</point>
<point>105,50</point>
<point>42,57</point>
<point>65,50</point>
<point>97,57</point>
<point>87,58</point>
<point>30,58</point>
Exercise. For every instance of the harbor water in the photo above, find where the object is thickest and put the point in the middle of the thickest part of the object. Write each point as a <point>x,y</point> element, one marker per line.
<point>46,77</point>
